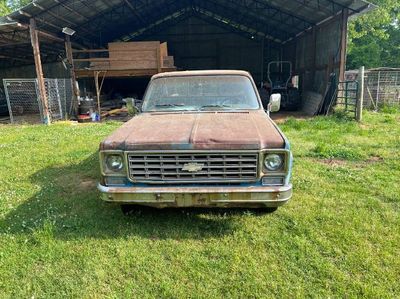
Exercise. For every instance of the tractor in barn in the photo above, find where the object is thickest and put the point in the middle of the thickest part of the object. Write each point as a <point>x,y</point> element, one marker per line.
<point>280,77</point>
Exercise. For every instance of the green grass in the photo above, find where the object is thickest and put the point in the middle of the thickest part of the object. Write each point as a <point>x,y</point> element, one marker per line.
<point>338,237</point>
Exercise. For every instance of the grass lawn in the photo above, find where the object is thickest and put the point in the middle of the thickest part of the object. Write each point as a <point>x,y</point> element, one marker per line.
<point>338,237</point>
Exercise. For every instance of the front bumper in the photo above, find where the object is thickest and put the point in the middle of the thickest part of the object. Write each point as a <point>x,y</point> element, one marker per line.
<point>202,196</point>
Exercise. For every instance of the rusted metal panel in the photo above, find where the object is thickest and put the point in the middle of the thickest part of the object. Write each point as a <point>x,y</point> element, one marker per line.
<point>316,64</point>
<point>204,196</point>
<point>196,130</point>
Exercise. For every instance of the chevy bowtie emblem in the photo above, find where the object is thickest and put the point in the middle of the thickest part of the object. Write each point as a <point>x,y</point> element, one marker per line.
<point>192,167</point>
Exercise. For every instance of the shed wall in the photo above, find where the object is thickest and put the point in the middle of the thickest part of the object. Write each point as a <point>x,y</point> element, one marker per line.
<point>50,70</point>
<point>317,54</point>
<point>198,45</point>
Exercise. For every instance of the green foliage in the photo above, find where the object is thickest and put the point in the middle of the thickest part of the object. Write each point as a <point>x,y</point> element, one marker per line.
<point>329,151</point>
<point>374,38</point>
<point>7,6</point>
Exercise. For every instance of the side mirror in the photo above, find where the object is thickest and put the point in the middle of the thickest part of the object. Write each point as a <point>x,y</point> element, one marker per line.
<point>275,102</point>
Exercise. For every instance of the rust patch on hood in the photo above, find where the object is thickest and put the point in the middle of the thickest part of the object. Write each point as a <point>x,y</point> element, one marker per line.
<point>251,130</point>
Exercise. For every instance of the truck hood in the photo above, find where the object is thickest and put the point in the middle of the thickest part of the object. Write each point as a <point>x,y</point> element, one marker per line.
<point>250,130</point>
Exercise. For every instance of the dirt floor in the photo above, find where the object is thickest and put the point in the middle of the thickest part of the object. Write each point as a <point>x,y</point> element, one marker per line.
<point>280,117</point>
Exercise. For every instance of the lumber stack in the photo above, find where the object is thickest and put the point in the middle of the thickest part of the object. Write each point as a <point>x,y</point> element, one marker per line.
<point>135,56</point>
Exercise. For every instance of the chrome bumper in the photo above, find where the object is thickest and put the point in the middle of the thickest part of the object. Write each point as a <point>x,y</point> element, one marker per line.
<point>202,196</point>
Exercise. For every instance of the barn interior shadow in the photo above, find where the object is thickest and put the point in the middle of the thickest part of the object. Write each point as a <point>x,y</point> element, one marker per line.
<point>69,201</point>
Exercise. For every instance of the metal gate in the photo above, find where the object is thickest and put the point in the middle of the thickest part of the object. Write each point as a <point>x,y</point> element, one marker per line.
<point>54,99</point>
<point>24,103</point>
<point>347,95</point>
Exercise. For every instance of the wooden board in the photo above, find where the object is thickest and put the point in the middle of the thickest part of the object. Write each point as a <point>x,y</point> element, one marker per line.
<point>137,55</point>
<point>164,49</point>
<point>82,73</point>
<point>129,46</point>
<point>168,61</point>
<point>132,56</point>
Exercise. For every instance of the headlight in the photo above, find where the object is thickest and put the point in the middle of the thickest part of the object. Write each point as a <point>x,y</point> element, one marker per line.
<point>273,162</point>
<point>114,163</point>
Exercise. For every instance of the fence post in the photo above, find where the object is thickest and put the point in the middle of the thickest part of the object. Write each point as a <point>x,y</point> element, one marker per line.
<point>360,97</point>
<point>5,84</point>
<point>378,89</point>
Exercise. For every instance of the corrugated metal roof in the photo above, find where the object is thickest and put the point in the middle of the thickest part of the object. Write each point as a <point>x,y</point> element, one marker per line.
<point>97,22</point>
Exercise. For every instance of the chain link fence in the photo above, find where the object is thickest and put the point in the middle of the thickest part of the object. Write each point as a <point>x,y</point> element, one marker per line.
<point>24,103</point>
<point>381,87</point>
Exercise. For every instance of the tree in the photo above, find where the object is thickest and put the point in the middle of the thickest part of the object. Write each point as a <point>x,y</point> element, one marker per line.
<point>374,37</point>
<point>7,6</point>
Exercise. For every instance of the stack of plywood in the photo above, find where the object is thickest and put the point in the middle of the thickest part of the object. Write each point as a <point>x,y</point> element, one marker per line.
<point>139,55</point>
<point>126,59</point>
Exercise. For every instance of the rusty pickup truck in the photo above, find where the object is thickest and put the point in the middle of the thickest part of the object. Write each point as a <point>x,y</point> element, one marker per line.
<point>202,139</point>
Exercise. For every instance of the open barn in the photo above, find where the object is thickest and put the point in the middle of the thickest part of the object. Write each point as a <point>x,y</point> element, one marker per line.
<point>298,46</point>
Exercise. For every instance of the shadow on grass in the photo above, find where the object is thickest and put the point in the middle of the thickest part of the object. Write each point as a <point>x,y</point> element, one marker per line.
<point>69,202</point>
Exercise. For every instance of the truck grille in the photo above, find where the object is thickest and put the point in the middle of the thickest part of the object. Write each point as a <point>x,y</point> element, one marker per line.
<point>193,167</point>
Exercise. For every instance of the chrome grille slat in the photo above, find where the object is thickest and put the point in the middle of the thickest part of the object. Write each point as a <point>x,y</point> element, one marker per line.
<point>216,167</point>
<point>135,166</point>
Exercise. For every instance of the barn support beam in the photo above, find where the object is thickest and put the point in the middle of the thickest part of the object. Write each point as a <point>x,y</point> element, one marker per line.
<point>44,34</point>
<point>39,71</point>
<point>343,44</point>
<point>99,86</point>
<point>314,53</point>
<point>75,90</point>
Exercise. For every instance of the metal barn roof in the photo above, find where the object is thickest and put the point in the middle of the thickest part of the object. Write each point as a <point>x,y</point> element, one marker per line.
<point>98,22</point>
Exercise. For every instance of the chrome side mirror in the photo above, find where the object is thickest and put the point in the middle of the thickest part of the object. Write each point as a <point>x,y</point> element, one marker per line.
<point>275,102</point>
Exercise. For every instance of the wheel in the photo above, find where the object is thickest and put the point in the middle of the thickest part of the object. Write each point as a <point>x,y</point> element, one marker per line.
<point>127,209</point>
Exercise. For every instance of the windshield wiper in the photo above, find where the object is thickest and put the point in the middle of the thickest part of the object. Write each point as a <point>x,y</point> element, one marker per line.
<point>214,106</point>
<point>169,105</point>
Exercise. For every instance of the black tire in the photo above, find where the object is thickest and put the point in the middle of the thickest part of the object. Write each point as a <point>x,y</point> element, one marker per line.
<point>127,209</point>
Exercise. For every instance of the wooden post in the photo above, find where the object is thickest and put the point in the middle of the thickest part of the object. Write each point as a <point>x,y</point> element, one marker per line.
<point>159,59</point>
<point>378,87</point>
<point>75,90</point>
<point>313,53</point>
<point>360,98</point>
<point>262,62</point>
<point>343,45</point>
<point>39,70</point>
<point>99,86</point>
<point>96,82</point>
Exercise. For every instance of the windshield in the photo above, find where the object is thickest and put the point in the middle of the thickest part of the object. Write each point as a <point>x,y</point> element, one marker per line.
<point>200,93</point>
